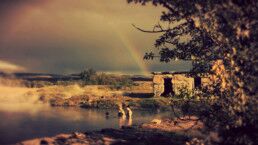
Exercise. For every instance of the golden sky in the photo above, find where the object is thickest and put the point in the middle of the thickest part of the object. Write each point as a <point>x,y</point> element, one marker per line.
<point>67,36</point>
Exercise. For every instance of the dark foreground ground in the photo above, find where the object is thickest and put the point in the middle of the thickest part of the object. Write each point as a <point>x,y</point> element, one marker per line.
<point>158,132</point>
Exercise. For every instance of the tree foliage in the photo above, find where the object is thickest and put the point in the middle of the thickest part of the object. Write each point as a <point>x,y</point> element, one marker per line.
<point>88,75</point>
<point>220,38</point>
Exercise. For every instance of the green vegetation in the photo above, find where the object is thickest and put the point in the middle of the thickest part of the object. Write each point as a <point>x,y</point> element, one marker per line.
<point>90,77</point>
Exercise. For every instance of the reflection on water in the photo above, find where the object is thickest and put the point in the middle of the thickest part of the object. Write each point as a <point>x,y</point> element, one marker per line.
<point>16,126</point>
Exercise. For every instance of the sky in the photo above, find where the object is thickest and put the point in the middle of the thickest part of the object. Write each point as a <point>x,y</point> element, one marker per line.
<point>67,36</point>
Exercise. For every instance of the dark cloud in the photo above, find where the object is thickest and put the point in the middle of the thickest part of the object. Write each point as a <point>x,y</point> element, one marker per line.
<point>66,36</point>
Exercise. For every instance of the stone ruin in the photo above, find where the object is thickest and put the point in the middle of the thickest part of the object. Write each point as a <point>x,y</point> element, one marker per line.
<point>170,83</point>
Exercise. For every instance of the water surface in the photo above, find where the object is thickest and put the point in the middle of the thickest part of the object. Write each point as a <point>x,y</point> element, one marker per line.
<point>17,126</point>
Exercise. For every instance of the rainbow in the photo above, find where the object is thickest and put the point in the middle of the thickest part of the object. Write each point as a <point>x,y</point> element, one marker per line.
<point>133,51</point>
<point>129,46</point>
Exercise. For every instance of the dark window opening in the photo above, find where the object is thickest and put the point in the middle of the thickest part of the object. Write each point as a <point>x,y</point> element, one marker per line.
<point>168,87</point>
<point>197,82</point>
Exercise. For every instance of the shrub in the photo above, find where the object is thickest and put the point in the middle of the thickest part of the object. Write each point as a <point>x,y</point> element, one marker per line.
<point>90,77</point>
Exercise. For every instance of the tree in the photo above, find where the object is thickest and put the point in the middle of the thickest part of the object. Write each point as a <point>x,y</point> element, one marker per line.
<point>222,43</point>
<point>88,76</point>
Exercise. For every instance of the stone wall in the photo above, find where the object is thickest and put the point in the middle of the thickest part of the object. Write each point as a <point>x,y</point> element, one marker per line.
<point>158,85</point>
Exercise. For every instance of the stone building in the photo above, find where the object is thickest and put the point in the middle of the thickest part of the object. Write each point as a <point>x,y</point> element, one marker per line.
<point>170,83</point>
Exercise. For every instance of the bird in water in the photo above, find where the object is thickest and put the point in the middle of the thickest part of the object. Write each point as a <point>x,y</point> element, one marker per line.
<point>121,112</point>
<point>129,113</point>
<point>129,116</point>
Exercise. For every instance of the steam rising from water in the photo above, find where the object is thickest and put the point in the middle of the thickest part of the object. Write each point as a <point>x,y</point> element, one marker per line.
<point>19,99</point>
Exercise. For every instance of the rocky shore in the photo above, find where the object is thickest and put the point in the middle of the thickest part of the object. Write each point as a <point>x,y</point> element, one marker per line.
<point>157,132</point>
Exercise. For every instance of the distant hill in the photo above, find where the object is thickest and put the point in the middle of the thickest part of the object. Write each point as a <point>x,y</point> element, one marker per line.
<point>59,77</point>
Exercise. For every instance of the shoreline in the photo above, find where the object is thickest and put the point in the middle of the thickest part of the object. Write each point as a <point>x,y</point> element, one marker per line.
<point>156,132</point>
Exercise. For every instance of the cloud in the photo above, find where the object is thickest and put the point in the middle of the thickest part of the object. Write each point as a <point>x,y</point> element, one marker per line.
<point>9,67</point>
<point>65,36</point>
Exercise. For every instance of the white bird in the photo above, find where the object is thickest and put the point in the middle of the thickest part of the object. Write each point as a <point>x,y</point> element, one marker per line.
<point>129,112</point>
<point>121,112</point>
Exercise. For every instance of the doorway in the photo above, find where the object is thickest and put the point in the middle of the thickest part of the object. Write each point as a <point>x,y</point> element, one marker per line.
<point>168,87</point>
<point>197,82</point>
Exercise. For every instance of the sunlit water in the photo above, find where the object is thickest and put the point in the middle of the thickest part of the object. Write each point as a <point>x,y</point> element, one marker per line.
<point>17,126</point>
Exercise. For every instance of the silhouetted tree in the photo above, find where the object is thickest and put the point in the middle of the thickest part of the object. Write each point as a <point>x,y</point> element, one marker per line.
<point>88,75</point>
<point>220,37</point>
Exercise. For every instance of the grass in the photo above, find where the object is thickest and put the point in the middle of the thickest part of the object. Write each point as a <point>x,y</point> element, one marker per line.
<point>97,96</point>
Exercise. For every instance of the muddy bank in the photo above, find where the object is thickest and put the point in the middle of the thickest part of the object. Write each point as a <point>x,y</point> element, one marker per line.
<point>158,132</point>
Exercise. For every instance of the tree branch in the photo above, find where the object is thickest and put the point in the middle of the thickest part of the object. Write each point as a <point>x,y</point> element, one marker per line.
<point>147,31</point>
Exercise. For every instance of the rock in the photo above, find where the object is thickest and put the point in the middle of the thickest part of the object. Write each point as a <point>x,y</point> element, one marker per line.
<point>195,141</point>
<point>30,142</point>
<point>158,89</point>
<point>65,136</point>
<point>158,79</point>
<point>156,121</point>
<point>42,141</point>
<point>78,135</point>
<point>108,140</point>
